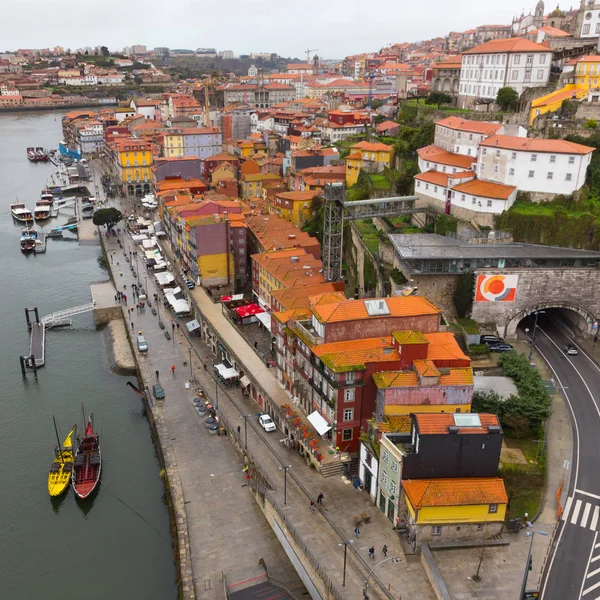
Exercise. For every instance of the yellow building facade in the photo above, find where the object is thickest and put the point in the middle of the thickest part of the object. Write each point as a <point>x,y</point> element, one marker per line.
<point>134,160</point>
<point>295,207</point>
<point>368,156</point>
<point>173,145</point>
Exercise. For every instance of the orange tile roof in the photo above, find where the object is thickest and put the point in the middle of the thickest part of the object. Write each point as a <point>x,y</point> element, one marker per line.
<point>438,155</point>
<point>437,423</point>
<point>344,356</point>
<point>354,310</point>
<point>387,125</point>
<point>485,189</point>
<point>512,142</point>
<point>296,196</point>
<point>482,127</point>
<point>468,491</point>
<point>551,31</point>
<point>508,45</point>
<point>457,376</point>
<point>426,368</point>
<point>328,297</point>
<point>372,147</point>
<point>590,58</point>
<point>284,316</point>
<point>301,297</point>
<point>439,178</point>
<point>443,346</point>
<point>354,156</point>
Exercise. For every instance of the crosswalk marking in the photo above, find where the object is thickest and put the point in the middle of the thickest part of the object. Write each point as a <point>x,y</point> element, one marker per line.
<point>567,508</point>
<point>595,519</point>
<point>592,573</point>
<point>591,588</point>
<point>595,559</point>
<point>583,514</point>
<point>586,514</point>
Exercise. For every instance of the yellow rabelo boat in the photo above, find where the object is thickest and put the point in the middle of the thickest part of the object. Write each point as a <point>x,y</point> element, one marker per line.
<point>61,469</point>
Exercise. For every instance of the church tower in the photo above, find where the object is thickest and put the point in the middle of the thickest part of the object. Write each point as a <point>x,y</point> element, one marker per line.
<point>538,17</point>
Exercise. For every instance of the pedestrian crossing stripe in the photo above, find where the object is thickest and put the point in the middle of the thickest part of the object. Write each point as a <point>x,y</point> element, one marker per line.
<point>581,513</point>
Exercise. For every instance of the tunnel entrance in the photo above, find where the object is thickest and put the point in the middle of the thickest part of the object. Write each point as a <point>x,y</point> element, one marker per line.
<point>573,319</point>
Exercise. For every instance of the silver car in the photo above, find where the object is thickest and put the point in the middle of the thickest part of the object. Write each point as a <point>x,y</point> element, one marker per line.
<point>570,349</point>
<point>142,344</point>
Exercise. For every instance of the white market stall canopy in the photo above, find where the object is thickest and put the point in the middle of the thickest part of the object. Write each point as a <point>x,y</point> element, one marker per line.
<point>265,319</point>
<point>319,423</point>
<point>245,381</point>
<point>149,244</point>
<point>164,278</point>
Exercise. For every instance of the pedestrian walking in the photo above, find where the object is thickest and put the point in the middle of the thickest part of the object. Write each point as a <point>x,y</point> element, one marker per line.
<point>356,531</point>
<point>173,369</point>
<point>384,551</point>
<point>131,325</point>
<point>239,430</point>
<point>125,298</point>
<point>255,345</point>
<point>156,373</point>
<point>320,498</point>
<point>312,505</point>
<point>372,552</point>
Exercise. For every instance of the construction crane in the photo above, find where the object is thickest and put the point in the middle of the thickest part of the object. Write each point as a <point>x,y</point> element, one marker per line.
<point>308,53</point>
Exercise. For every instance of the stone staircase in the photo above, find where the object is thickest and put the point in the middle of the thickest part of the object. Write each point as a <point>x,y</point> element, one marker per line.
<point>336,467</point>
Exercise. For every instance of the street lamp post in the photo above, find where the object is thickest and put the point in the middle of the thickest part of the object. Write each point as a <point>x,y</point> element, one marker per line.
<point>190,351</point>
<point>216,393</point>
<point>146,285</point>
<point>528,566</point>
<point>366,588</point>
<point>345,544</point>
<point>285,468</point>
<point>245,432</point>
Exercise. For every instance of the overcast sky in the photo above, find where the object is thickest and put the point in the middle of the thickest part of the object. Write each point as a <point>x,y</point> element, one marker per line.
<point>336,27</point>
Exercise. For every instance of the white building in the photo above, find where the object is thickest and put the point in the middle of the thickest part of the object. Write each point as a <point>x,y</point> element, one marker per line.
<point>227,54</point>
<point>252,71</point>
<point>534,165</point>
<point>367,470</point>
<point>463,196</point>
<point>514,62</point>
<point>7,91</point>
<point>462,136</point>
<point>590,20</point>
<point>91,137</point>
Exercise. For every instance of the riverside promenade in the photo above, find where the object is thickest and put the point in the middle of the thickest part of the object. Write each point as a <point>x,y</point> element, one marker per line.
<point>221,533</point>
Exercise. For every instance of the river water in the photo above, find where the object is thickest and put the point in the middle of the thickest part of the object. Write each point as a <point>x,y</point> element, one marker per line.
<point>117,545</point>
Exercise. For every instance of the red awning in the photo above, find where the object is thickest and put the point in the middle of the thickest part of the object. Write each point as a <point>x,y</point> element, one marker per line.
<point>248,310</point>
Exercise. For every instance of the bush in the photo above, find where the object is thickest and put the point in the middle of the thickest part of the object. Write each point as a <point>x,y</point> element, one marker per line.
<point>444,223</point>
<point>479,349</point>
<point>471,327</point>
<point>525,412</point>
<point>591,124</point>
<point>398,277</point>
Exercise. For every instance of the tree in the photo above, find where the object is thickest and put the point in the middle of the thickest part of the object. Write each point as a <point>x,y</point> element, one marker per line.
<point>375,104</point>
<point>107,216</point>
<point>507,98</point>
<point>104,51</point>
<point>463,295</point>
<point>438,98</point>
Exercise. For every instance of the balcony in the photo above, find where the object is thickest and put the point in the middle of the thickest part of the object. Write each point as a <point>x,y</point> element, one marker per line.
<point>306,329</point>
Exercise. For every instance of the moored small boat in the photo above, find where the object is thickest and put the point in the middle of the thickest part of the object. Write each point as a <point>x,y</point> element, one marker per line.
<point>42,210</point>
<point>41,154</point>
<point>31,155</point>
<point>87,463</point>
<point>47,196</point>
<point>28,239</point>
<point>62,465</point>
<point>20,213</point>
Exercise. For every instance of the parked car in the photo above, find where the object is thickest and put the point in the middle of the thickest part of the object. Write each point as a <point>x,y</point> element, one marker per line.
<point>490,339</point>
<point>501,348</point>
<point>191,285</point>
<point>142,344</point>
<point>570,349</point>
<point>267,423</point>
<point>158,391</point>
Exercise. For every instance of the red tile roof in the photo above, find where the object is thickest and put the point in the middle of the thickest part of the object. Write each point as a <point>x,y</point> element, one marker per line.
<point>437,423</point>
<point>508,45</point>
<point>512,142</point>
<point>439,156</point>
<point>482,127</point>
<point>485,189</point>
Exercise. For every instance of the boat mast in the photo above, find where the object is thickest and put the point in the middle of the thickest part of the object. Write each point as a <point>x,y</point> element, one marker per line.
<point>57,438</point>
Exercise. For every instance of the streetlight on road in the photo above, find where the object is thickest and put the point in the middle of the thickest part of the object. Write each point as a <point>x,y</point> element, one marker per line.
<point>345,544</point>
<point>528,563</point>
<point>532,340</point>
<point>366,588</point>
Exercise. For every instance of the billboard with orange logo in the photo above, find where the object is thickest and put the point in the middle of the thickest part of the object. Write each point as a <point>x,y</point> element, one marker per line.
<point>496,288</point>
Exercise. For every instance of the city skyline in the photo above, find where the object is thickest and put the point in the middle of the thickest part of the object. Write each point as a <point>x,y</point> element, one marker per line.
<point>337,29</point>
